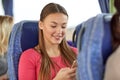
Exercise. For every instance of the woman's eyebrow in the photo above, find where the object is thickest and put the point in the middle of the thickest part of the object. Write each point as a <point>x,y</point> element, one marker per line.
<point>56,23</point>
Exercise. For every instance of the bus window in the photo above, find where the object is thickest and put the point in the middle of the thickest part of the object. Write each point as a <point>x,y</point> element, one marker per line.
<point>78,10</point>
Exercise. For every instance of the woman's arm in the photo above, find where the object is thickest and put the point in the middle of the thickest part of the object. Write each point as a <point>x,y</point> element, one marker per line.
<point>27,70</point>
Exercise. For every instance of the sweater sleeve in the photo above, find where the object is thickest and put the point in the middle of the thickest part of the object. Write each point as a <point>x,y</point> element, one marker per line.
<point>27,67</point>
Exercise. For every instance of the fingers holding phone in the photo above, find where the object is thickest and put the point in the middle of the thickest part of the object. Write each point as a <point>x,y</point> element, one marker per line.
<point>74,64</point>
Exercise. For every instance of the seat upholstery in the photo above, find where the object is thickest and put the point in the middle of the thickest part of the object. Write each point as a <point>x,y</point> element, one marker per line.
<point>23,36</point>
<point>95,47</point>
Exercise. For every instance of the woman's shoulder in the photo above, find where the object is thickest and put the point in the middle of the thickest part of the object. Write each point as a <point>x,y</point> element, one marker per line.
<point>31,53</point>
<point>74,49</point>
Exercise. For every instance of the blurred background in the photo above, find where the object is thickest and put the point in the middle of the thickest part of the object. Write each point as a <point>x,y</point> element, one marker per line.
<point>78,10</point>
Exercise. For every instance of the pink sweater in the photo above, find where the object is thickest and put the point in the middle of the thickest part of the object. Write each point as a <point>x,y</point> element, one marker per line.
<point>29,65</point>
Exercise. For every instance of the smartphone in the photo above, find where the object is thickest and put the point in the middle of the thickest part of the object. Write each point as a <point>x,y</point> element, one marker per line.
<point>74,64</point>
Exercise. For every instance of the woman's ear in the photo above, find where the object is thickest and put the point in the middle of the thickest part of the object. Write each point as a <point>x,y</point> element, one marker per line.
<point>40,25</point>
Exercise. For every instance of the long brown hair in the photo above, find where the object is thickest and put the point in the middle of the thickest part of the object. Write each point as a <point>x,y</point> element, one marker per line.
<point>115,25</point>
<point>67,54</point>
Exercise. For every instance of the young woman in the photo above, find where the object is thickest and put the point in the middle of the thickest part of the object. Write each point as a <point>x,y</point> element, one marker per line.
<point>52,58</point>
<point>6,23</point>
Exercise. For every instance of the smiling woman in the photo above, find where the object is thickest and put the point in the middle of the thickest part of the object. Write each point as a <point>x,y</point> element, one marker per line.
<point>52,47</point>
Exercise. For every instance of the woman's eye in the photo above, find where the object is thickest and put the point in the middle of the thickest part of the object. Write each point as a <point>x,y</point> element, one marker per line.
<point>53,26</point>
<point>63,26</point>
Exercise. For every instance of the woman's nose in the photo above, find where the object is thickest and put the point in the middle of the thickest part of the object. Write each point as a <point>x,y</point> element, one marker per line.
<point>59,30</point>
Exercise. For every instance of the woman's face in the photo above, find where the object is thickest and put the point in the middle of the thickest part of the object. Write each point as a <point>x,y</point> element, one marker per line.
<point>54,28</point>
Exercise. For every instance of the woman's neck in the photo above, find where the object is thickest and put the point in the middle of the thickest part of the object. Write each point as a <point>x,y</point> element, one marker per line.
<point>53,51</point>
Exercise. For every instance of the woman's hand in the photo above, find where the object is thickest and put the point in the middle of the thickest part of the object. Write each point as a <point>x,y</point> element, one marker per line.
<point>66,74</point>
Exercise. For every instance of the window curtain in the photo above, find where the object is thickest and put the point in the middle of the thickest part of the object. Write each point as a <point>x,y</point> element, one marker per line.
<point>104,5</point>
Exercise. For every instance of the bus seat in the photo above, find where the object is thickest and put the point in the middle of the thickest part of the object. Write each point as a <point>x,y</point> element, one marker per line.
<point>94,46</point>
<point>24,35</point>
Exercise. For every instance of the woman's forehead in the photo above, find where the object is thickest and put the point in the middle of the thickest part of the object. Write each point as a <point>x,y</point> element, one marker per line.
<point>56,17</point>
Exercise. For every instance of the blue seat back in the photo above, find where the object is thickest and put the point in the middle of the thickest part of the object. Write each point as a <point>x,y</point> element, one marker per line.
<point>23,36</point>
<point>94,45</point>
